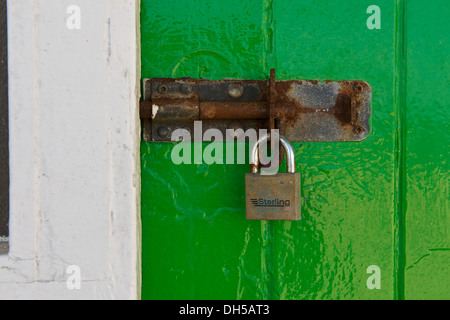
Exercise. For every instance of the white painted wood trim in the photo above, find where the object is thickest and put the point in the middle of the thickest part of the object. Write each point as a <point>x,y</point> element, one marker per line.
<point>74,150</point>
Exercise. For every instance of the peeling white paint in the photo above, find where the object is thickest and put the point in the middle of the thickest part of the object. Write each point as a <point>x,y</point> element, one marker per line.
<point>155,109</point>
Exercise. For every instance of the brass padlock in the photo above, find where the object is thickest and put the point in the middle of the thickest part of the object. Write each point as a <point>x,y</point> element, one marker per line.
<point>273,197</point>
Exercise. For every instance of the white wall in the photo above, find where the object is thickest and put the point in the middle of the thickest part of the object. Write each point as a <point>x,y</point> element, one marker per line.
<point>74,149</point>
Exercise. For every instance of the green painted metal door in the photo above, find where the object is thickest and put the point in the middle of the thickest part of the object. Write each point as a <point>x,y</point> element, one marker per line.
<point>381,202</point>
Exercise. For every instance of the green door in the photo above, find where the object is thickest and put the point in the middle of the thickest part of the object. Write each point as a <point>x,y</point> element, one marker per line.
<point>375,221</point>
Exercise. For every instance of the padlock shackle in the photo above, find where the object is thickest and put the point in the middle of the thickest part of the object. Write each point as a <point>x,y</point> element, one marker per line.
<point>290,154</point>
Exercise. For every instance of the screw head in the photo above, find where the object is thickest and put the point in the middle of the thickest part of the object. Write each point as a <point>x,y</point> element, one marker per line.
<point>359,129</point>
<point>235,91</point>
<point>186,88</point>
<point>163,132</point>
<point>358,88</point>
<point>163,88</point>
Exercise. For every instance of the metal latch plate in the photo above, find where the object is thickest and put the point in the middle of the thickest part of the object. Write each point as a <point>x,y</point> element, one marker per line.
<point>302,110</point>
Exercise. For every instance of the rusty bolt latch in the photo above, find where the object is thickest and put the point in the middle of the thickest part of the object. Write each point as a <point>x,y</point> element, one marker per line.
<point>303,110</point>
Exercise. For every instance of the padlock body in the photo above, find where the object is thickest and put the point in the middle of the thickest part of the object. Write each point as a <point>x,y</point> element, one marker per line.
<point>273,197</point>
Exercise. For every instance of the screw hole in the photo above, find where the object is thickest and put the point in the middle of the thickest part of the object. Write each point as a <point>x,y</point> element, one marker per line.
<point>358,89</point>
<point>186,89</point>
<point>163,88</point>
<point>359,130</point>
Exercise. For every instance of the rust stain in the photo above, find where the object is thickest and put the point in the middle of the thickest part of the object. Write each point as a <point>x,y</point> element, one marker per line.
<point>234,110</point>
<point>343,107</point>
<point>254,168</point>
<point>346,109</point>
<point>145,110</point>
